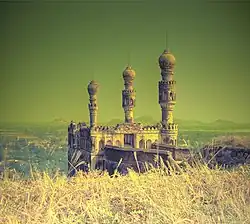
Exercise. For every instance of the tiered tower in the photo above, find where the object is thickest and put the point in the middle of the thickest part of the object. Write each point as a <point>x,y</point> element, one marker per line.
<point>167,98</point>
<point>128,95</point>
<point>93,108</point>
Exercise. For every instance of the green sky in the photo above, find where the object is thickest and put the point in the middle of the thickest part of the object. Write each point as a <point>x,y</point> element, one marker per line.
<point>49,51</point>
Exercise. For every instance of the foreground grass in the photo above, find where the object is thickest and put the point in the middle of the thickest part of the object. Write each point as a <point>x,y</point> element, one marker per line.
<point>197,196</point>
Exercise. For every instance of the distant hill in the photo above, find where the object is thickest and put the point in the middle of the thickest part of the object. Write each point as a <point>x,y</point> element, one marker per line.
<point>60,120</point>
<point>189,123</point>
<point>221,122</point>
<point>113,122</point>
<point>183,124</point>
<point>225,124</point>
<point>149,120</point>
<point>215,125</point>
<point>146,120</point>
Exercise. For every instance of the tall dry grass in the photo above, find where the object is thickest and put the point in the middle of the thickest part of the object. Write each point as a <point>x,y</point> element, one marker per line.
<point>199,195</point>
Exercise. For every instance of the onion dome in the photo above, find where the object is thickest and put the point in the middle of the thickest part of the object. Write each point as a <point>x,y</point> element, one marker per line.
<point>166,60</point>
<point>93,87</point>
<point>128,73</point>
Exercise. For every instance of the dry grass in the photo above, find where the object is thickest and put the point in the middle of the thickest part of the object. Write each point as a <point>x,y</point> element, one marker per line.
<point>199,195</point>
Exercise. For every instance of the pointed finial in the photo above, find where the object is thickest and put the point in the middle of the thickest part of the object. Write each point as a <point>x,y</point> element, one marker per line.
<point>166,41</point>
<point>93,75</point>
<point>129,59</point>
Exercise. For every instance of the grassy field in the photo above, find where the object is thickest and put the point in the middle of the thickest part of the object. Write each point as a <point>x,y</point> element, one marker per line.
<point>199,195</point>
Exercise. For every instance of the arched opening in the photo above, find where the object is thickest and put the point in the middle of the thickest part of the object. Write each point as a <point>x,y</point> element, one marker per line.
<point>109,142</point>
<point>129,140</point>
<point>99,164</point>
<point>149,143</point>
<point>118,143</point>
<point>172,142</point>
<point>101,144</point>
<point>166,140</point>
<point>142,144</point>
<point>171,96</point>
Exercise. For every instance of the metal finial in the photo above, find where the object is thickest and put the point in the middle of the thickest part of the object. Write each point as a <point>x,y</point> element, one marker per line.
<point>93,75</point>
<point>166,40</point>
<point>129,58</point>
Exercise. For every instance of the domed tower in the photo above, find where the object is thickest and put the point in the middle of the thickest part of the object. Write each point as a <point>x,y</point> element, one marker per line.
<point>92,90</point>
<point>167,97</point>
<point>128,94</point>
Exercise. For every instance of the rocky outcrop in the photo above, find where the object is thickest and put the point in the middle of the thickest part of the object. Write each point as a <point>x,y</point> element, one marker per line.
<point>225,156</point>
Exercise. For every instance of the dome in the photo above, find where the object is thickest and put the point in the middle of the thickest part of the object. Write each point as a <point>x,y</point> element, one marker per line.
<point>166,59</point>
<point>93,87</point>
<point>128,73</point>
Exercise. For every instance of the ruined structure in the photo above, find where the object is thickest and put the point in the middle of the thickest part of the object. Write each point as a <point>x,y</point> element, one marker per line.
<point>225,156</point>
<point>90,140</point>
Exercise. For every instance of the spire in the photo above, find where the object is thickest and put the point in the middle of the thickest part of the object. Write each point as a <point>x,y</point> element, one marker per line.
<point>129,59</point>
<point>166,41</point>
<point>93,75</point>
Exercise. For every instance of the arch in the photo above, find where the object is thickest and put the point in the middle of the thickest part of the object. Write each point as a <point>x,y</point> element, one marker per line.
<point>118,143</point>
<point>99,164</point>
<point>171,95</point>
<point>175,142</point>
<point>142,144</point>
<point>109,142</point>
<point>149,143</point>
<point>101,144</point>
<point>172,141</point>
<point>166,140</point>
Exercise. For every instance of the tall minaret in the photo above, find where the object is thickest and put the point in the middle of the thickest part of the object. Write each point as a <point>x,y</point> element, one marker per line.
<point>128,95</point>
<point>92,90</point>
<point>167,97</point>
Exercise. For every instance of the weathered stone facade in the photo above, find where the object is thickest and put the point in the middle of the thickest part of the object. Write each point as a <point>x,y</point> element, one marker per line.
<point>90,140</point>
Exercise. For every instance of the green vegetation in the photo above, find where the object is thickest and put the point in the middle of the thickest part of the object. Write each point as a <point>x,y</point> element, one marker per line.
<point>46,150</point>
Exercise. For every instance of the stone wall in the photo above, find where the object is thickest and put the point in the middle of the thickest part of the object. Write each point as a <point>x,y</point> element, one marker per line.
<point>225,156</point>
<point>136,159</point>
<point>133,159</point>
<point>179,154</point>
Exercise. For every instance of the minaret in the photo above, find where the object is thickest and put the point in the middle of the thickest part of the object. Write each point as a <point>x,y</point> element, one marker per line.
<point>92,90</point>
<point>128,95</point>
<point>167,97</point>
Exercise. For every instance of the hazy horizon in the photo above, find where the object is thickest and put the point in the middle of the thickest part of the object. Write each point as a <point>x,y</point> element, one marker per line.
<point>49,51</point>
<point>119,120</point>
